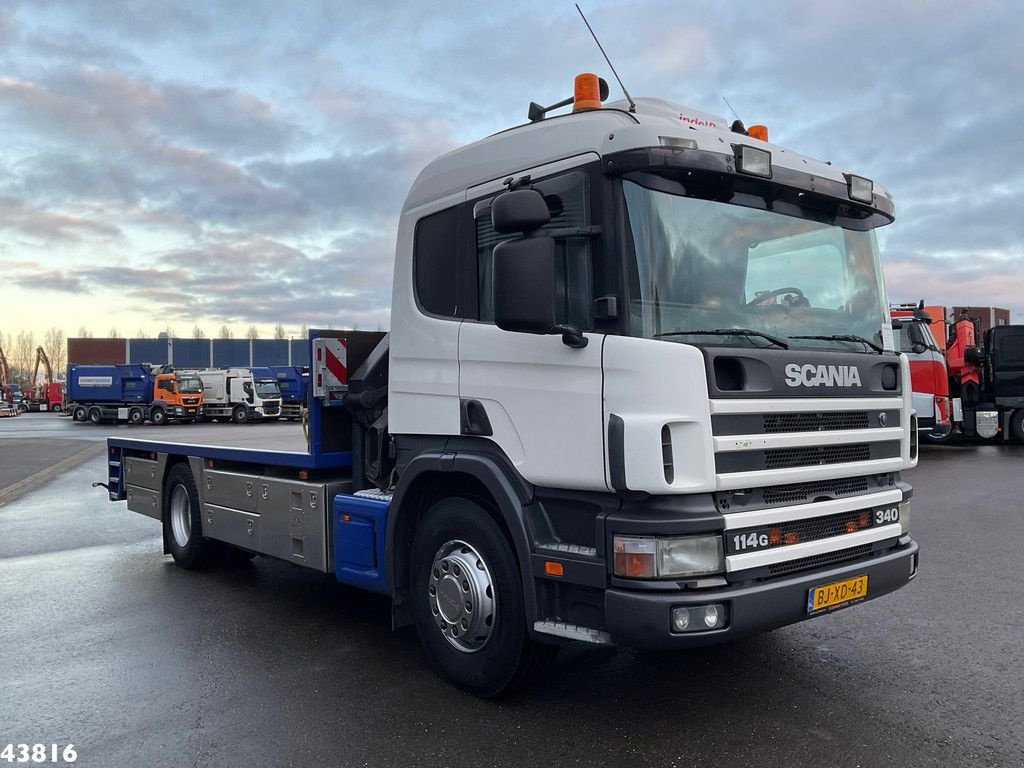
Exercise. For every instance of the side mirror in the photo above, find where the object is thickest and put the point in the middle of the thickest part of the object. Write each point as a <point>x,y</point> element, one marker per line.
<point>524,284</point>
<point>524,289</point>
<point>973,355</point>
<point>521,210</point>
<point>918,348</point>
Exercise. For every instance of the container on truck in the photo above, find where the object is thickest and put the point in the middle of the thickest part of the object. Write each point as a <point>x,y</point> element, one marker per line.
<point>293,381</point>
<point>240,394</point>
<point>132,393</point>
<point>639,389</point>
<point>929,378</point>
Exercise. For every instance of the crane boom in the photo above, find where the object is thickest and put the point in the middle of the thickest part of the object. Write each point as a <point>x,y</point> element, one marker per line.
<point>41,357</point>
<point>5,372</point>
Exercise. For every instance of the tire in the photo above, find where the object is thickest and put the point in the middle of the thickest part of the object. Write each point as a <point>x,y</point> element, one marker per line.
<point>183,525</point>
<point>95,415</point>
<point>79,413</point>
<point>158,416</point>
<point>56,408</point>
<point>1017,425</point>
<point>136,416</point>
<point>239,415</point>
<point>485,656</point>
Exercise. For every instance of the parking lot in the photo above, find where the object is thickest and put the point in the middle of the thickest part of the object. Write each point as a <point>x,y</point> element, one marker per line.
<point>107,645</point>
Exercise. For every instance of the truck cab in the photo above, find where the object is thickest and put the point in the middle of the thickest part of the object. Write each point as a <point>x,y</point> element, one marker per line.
<point>239,394</point>
<point>928,373</point>
<point>180,395</point>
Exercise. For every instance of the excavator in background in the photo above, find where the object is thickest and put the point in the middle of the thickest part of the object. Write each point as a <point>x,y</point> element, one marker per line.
<point>10,393</point>
<point>49,395</point>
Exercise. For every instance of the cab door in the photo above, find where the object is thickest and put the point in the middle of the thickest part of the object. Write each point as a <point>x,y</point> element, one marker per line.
<point>542,399</point>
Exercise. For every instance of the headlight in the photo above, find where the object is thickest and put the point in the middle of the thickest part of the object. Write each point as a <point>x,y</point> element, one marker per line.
<point>668,557</point>
<point>904,517</point>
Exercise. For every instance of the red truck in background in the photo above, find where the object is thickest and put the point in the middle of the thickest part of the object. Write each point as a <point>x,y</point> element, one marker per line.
<point>929,377</point>
<point>983,388</point>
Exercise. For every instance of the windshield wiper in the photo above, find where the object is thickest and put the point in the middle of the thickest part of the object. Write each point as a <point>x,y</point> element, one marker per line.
<point>727,332</point>
<point>845,337</point>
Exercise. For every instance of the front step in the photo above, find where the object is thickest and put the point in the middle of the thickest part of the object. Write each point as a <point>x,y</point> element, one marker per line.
<point>572,632</point>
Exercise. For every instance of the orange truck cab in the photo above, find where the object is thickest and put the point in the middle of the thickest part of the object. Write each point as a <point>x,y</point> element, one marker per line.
<point>928,375</point>
<point>181,393</point>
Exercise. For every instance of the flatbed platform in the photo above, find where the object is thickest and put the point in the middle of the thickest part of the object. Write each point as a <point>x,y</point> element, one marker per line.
<point>278,444</point>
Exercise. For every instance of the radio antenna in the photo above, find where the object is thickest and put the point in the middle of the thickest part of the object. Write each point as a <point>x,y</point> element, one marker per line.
<point>632,104</point>
<point>730,108</point>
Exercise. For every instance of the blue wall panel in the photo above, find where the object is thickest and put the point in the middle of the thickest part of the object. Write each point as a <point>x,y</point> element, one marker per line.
<point>191,353</point>
<point>270,352</point>
<point>228,353</point>
<point>147,351</point>
<point>300,351</point>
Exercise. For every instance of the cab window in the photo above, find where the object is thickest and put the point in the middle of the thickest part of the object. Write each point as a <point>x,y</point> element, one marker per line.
<point>566,196</point>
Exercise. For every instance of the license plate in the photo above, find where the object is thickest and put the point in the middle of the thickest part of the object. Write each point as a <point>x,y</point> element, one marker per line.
<point>837,594</point>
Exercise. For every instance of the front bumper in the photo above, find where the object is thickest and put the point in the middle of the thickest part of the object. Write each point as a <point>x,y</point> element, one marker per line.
<point>640,619</point>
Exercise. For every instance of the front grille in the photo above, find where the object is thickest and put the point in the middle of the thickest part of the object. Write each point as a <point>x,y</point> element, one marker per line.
<point>794,492</point>
<point>778,535</point>
<point>814,422</point>
<point>819,561</point>
<point>783,458</point>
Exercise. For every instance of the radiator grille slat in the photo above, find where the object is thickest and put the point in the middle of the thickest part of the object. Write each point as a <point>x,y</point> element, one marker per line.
<point>783,458</point>
<point>819,561</point>
<point>794,492</point>
<point>774,423</point>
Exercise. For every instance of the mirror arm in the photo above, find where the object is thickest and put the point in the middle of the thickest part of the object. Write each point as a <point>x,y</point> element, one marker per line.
<point>571,336</point>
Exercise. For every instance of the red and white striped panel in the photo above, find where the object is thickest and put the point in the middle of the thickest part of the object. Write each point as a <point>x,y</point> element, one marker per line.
<point>330,367</point>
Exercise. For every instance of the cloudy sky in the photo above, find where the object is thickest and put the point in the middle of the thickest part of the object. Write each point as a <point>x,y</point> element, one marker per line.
<point>167,164</point>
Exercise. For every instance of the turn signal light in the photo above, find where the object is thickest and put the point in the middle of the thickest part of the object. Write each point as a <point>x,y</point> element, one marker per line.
<point>551,568</point>
<point>586,92</point>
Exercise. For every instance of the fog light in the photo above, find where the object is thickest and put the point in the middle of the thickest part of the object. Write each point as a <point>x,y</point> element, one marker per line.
<point>711,616</point>
<point>680,619</point>
<point>698,618</point>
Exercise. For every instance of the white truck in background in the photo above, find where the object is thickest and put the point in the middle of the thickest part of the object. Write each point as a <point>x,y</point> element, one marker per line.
<point>239,394</point>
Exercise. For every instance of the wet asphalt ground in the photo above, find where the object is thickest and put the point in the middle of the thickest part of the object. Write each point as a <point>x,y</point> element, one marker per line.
<point>106,644</point>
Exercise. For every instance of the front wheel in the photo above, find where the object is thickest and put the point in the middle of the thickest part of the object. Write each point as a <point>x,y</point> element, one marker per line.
<point>158,416</point>
<point>183,527</point>
<point>56,408</point>
<point>467,600</point>
<point>240,415</point>
<point>135,416</point>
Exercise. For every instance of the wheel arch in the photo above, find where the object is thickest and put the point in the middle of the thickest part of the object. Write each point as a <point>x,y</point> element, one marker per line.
<point>165,463</point>
<point>431,477</point>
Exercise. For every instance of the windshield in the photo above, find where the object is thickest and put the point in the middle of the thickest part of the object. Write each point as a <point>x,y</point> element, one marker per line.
<point>189,386</point>
<point>267,388</point>
<point>705,265</point>
<point>907,334</point>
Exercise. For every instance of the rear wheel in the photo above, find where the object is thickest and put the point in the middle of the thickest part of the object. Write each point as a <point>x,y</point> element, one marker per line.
<point>158,416</point>
<point>1017,425</point>
<point>467,601</point>
<point>79,413</point>
<point>95,415</point>
<point>240,415</point>
<point>183,527</point>
<point>135,416</point>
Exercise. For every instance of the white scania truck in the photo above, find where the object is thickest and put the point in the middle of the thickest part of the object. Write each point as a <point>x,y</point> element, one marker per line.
<point>639,390</point>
